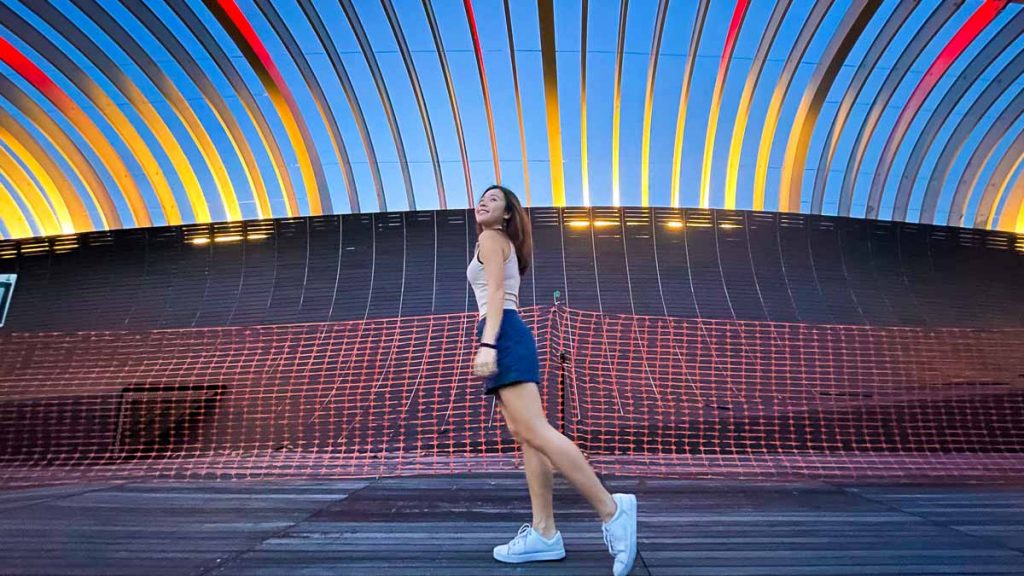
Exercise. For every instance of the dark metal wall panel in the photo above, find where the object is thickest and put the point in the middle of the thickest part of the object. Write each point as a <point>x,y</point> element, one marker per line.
<point>548,265</point>
<point>855,248</point>
<point>352,295</point>
<point>794,242</point>
<point>645,287</point>
<point>420,263</point>
<point>673,263</point>
<point>736,268</point>
<point>389,266</point>
<point>221,291</point>
<point>830,271</point>
<point>579,260</point>
<point>258,270</point>
<point>154,292</point>
<point>609,257</point>
<point>705,268</point>
<point>322,272</point>
<point>766,262</point>
<point>291,244</point>
<point>187,288</point>
<point>455,241</point>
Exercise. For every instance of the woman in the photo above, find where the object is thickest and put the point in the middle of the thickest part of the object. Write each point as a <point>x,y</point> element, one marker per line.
<point>507,361</point>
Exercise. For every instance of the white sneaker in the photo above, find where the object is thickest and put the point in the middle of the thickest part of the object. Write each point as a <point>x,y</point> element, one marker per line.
<point>620,534</point>
<point>529,546</point>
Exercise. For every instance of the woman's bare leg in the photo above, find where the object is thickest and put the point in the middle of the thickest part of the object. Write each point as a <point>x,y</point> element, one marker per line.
<point>524,413</point>
<point>540,480</point>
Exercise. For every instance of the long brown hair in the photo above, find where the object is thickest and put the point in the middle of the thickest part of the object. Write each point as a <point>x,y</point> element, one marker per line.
<point>518,227</point>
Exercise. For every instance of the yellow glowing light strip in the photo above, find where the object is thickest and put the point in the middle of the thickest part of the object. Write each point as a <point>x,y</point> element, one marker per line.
<point>31,197</point>
<point>70,212</point>
<point>739,14</point>
<point>652,67</point>
<point>743,110</point>
<point>583,105</point>
<point>547,49</point>
<point>617,103</point>
<point>1010,217</point>
<point>13,217</point>
<point>684,98</point>
<point>771,118</point>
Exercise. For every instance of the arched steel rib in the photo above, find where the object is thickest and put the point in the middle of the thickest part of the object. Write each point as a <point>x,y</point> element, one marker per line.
<point>1012,217</point>
<point>519,100</point>
<point>617,102</point>
<point>478,52</point>
<point>771,120</point>
<point>324,38</point>
<point>269,11</point>
<point>684,99</point>
<point>584,167</point>
<point>32,196</point>
<point>867,65</point>
<point>795,158</point>
<point>981,18</point>
<point>385,97</point>
<point>985,214</point>
<point>924,35</point>
<point>14,219</point>
<point>743,109</point>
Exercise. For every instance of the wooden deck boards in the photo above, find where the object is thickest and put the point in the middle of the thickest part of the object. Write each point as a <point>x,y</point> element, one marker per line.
<point>447,525</point>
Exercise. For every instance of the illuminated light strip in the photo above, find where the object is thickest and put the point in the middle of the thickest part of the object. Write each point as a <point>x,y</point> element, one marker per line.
<point>324,38</point>
<point>31,196</point>
<point>652,67</point>
<point>771,119</point>
<point>66,202</point>
<point>14,219</point>
<point>478,52</point>
<point>385,97</point>
<point>89,131</point>
<point>417,90</point>
<point>867,65</point>
<point>450,88</point>
<point>584,167</point>
<point>982,151</point>
<point>1012,218</point>
<point>910,53</point>
<point>746,98</point>
<point>924,140</point>
<point>617,103</point>
<point>80,165</point>
<point>238,27</point>
<point>974,25</point>
<point>269,11</point>
<point>985,215</point>
<point>182,109</point>
<point>547,51</point>
<point>226,65</point>
<point>738,16</point>
<point>849,31</point>
<point>684,98</point>
<point>519,100</point>
<point>121,124</point>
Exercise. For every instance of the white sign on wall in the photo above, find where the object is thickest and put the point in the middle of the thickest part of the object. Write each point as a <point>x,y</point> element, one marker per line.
<point>6,288</point>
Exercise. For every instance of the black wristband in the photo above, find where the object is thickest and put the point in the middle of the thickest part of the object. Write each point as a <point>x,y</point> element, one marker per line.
<point>487,345</point>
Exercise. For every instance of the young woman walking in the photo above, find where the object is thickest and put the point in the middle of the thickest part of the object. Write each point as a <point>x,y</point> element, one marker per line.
<point>507,361</point>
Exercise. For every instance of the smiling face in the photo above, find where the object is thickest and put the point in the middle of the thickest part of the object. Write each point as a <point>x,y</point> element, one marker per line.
<point>490,210</point>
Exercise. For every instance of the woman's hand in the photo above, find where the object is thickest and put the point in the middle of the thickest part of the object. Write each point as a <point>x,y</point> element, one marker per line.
<point>486,362</point>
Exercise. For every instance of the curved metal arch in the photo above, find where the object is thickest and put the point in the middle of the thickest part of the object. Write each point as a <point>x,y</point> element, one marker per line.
<point>120,123</point>
<point>92,135</point>
<point>1000,178</point>
<point>385,96</point>
<point>617,102</point>
<point>988,54</point>
<point>584,167</point>
<point>652,70</point>
<point>738,16</point>
<point>13,217</point>
<point>181,107</point>
<point>546,15</point>
<point>238,27</point>
<point>519,100</point>
<point>684,99</point>
<point>771,120</point>
<point>924,35</point>
<point>32,196</point>
<point>226,66</point>
<point>421,103</point>
<point>746,98</point>
<point>983,151</point>
<point>981,18</point>
<point>80,165</point>
<point>66,202</point>
<point>324,38</point>
<point>854,22</point>
<point>450,89</point>
<point>269,11</point>
<point>1012,217</point>
<point>881,43</point>
<point>467,5</point>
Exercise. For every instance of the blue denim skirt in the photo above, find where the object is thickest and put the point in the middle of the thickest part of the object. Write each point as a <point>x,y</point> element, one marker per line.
<point>517,353</point>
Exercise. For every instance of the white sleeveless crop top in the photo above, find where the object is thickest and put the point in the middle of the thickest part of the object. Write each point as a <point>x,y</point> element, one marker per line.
<point>478,280</point>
